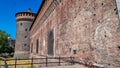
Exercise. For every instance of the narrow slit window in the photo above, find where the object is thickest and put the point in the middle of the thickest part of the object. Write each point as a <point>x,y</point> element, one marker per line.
<point>21,24</point>
<point>31,47</point>
<point>26,29</point>
<point>37,45</point>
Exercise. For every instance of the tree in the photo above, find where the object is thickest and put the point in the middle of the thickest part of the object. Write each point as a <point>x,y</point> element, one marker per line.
<point>6,49</point>
<point>3,38</point>
<point>4,46</point>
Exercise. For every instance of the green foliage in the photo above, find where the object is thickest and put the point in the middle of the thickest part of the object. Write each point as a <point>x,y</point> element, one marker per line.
<point>3,38</point>
<point>4,46</point>
<point>6,49</point>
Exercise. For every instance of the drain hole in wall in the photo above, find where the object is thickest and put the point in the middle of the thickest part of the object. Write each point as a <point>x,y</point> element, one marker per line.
<point>99,21</point>
<point>115,9</point>
<point>25,44</point>
<point>105,36</point>
<point>94,14</point>
<point>102,3</point>
<point>85,1</point>
<point>116,13</point>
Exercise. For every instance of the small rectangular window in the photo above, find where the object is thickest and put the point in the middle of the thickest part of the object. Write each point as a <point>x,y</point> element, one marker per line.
<point>25,36</point>
<point>21,24</point>
<point>25,44</point>
<point>26,29</point>
<point>74,52</point>
<point>70,49</point>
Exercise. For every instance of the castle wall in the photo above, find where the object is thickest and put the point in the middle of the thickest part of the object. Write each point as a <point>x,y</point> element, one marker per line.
<point>82,28</point>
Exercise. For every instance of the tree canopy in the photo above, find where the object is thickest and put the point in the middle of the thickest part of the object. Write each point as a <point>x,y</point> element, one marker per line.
<point>3,37</point>
<point>4,46</point>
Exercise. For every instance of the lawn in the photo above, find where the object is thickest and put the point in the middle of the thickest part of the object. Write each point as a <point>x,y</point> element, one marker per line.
<point>12,61</point>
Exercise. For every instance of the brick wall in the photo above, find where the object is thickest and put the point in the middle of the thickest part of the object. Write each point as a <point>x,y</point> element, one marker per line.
<point>82,28</point>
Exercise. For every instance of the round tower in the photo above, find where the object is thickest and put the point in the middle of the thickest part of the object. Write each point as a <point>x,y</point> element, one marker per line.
<point>22,45</point>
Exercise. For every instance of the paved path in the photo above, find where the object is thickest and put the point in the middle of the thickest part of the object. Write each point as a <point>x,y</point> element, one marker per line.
<point>70,66</point>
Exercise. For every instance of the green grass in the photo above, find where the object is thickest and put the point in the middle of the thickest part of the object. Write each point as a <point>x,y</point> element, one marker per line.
<point>18,62</point>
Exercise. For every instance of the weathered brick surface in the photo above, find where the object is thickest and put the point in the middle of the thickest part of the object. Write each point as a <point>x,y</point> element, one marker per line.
<point>87,26</point>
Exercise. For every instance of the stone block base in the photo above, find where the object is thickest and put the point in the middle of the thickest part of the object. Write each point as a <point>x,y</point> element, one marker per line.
<point>21,55</point>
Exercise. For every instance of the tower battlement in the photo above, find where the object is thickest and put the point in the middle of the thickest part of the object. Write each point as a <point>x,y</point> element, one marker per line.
<point>25,16</point>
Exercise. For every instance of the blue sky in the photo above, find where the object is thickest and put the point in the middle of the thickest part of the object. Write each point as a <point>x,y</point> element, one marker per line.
<point>8,9</point>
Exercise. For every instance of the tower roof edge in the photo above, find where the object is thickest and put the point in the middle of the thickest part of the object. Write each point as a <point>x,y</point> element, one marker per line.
<point>24,13</point>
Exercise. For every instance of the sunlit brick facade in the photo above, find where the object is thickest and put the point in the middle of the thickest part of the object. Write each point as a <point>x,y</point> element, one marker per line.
<point>79,28</point>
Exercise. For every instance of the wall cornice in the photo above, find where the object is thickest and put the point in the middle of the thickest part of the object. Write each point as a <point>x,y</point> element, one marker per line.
<point>45,12</point>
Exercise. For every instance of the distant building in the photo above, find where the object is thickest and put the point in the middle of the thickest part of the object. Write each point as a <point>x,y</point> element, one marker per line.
<point>11,42</point>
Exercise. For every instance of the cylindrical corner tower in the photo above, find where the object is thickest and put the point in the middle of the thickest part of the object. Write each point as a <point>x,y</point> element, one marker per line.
<point>22,45</point>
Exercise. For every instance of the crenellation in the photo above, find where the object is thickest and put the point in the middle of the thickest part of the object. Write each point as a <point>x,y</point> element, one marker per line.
<point>25,16</point>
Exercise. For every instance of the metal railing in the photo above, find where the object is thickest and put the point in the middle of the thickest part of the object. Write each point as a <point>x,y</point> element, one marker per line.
<point>46,61</point>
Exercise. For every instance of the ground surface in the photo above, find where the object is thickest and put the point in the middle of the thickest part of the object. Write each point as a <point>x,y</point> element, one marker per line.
<point>11,61</point>
<point>70,66</point>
